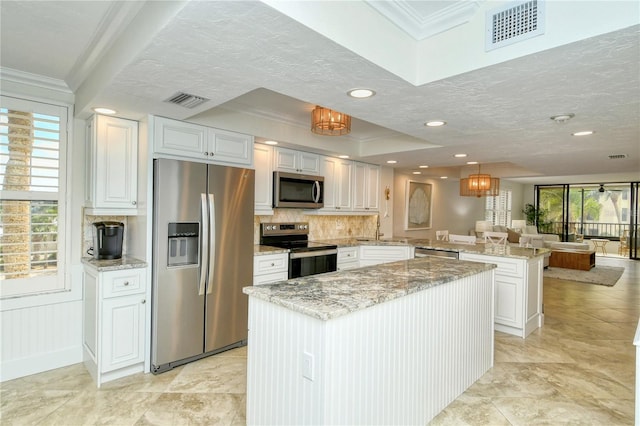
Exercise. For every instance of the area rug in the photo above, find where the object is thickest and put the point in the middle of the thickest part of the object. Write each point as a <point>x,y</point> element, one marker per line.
<point>601,275</point>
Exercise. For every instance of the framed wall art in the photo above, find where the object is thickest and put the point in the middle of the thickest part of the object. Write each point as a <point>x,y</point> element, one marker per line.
<point>418,206</point>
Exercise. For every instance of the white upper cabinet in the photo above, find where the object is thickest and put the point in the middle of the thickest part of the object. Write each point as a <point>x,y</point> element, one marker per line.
<point>292,161</point>
<point>181,139</point>
<point>337,184</point>
<point>366,187</point>
<point>263,160</point>
<point>112,166</point>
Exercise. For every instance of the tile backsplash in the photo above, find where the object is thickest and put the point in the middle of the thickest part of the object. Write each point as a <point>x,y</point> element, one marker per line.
<point>322,227</point>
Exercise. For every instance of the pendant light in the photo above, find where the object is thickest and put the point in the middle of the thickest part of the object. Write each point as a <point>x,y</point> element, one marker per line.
<point>479,185</point>
<point>327,122</point>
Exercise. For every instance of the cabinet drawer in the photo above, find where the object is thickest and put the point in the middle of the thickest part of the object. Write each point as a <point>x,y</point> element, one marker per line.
<point>270,263</point>
<point>385,253</point>
<point>270,278</point>
<point>506,266</point>
<point>348,254</point>
<point>122,283</point>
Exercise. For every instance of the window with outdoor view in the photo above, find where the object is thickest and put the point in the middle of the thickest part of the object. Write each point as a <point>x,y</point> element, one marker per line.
<point>32,141</point>
<point>590,210</point>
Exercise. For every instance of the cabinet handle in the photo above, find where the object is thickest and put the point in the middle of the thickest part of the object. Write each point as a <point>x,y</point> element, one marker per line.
<point>206,153</point>
<point>273,264</point>
<point>126,283</point>
<point>143,301</point>
<point>134,203</point>
<point>348,254</point>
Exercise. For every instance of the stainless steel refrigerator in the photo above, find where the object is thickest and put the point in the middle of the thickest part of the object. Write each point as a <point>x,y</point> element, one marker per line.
<point>202,257</point>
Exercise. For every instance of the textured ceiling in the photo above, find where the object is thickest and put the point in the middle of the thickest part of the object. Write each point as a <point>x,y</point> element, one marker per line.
<point>257,64</point>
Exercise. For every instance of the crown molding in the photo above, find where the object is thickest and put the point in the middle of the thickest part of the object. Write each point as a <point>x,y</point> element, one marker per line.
<point>21,77</point>
<point>419,26</point>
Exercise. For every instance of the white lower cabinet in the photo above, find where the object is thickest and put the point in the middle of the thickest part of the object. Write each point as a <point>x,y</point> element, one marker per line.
<point>518,292</point>
<point>270,268</point>
<point>374,255</point>
<point>114,312</point>
<point>348,258</point>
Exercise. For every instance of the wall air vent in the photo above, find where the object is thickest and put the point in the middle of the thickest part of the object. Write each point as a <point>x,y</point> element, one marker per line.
<point>617,156</point>
<point>514,22</point>
<point>186,100</point>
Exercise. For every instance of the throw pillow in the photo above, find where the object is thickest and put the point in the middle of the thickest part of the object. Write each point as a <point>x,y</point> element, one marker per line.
<point>513,236</point>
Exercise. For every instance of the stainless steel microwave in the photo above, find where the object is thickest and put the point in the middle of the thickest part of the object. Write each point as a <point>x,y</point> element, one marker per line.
<point>292,190</point>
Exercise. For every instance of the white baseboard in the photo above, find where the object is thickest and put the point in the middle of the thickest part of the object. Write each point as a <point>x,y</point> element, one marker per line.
<point>37,364</point>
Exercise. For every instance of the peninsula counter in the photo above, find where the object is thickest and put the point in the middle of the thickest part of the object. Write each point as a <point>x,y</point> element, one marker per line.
<point>388,344</point>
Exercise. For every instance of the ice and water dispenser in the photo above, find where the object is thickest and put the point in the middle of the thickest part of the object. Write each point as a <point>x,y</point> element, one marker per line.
<point>183,244</point>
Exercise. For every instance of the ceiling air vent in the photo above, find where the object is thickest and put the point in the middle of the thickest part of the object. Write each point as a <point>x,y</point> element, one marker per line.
<point>186,100</point>
<point>514,22</point>
<point>617,156</point>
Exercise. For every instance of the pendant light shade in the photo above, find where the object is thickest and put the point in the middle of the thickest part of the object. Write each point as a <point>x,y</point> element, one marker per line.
<point>479,185</point>
<point>329,123</point>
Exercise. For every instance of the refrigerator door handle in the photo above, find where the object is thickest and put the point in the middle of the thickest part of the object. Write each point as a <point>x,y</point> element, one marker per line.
<point>212,241</point>
<point>204,244</point>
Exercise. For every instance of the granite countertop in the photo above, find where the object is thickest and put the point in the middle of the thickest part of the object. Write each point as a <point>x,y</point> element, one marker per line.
<point>259,250</point>
<point>334,294</point>
<point>125,262</point>
<point>478,248</point>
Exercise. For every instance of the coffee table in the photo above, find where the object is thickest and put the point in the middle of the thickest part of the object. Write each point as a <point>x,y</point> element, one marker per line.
<point>573,259</point>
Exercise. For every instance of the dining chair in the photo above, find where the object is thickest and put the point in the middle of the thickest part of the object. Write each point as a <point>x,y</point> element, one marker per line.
<point>496,238</point>
<point>442,235</point>
<point>462,239</point>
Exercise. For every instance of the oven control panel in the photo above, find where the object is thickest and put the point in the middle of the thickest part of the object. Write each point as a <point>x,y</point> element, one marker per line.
<point>289,228</point>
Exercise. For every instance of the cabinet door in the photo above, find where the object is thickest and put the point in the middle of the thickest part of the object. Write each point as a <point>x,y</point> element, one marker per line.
<point>115,179</point>
<point>309,163</point>
<point>329,169</point>
<point>230,148</point>
<point>263,157</point>
<point>372,187</point>
<point>179,138</point>
<point>123,327</point>
<point>286,160</point>
<point>359,186</point>
<point>508,301</point>
<point>343,189</point>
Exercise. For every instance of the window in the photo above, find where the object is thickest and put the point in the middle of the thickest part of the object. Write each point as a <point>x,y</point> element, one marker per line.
<point>498,208</point>
<point>32,188</point>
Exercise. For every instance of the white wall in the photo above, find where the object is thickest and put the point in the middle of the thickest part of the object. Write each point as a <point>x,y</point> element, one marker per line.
<point>449,210</point>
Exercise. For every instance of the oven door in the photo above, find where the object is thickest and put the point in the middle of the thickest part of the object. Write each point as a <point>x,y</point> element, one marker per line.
<point>303,263</point>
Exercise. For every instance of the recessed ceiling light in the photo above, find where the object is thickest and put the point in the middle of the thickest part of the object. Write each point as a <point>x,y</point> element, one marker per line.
<point>562,118</point>
<point>435,123</point>
<point>417,173</point>
<point>271,142</point>
<point>343,156</point>
<point>423,167</point>
<point>460,155</point>
<point>107,111</point>
<point>444,177</point>
<point>584,133</point>
<point>391,161</point>
<point>472,162</point>
<point>361,93</point>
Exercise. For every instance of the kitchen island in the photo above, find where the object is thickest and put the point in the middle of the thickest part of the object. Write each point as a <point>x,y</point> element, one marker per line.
<point>518,286</point>
<point>388,344</point>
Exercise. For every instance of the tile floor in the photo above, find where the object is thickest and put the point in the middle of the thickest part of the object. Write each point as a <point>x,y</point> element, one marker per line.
<point>578,369</point>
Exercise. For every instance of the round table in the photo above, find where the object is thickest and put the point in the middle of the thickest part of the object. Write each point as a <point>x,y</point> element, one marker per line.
<point>599,243</point>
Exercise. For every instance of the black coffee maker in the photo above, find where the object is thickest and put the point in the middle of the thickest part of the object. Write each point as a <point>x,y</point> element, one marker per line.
<point>107,240</point>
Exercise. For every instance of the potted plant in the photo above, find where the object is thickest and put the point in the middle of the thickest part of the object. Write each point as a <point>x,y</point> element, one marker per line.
<point>534,215</point>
